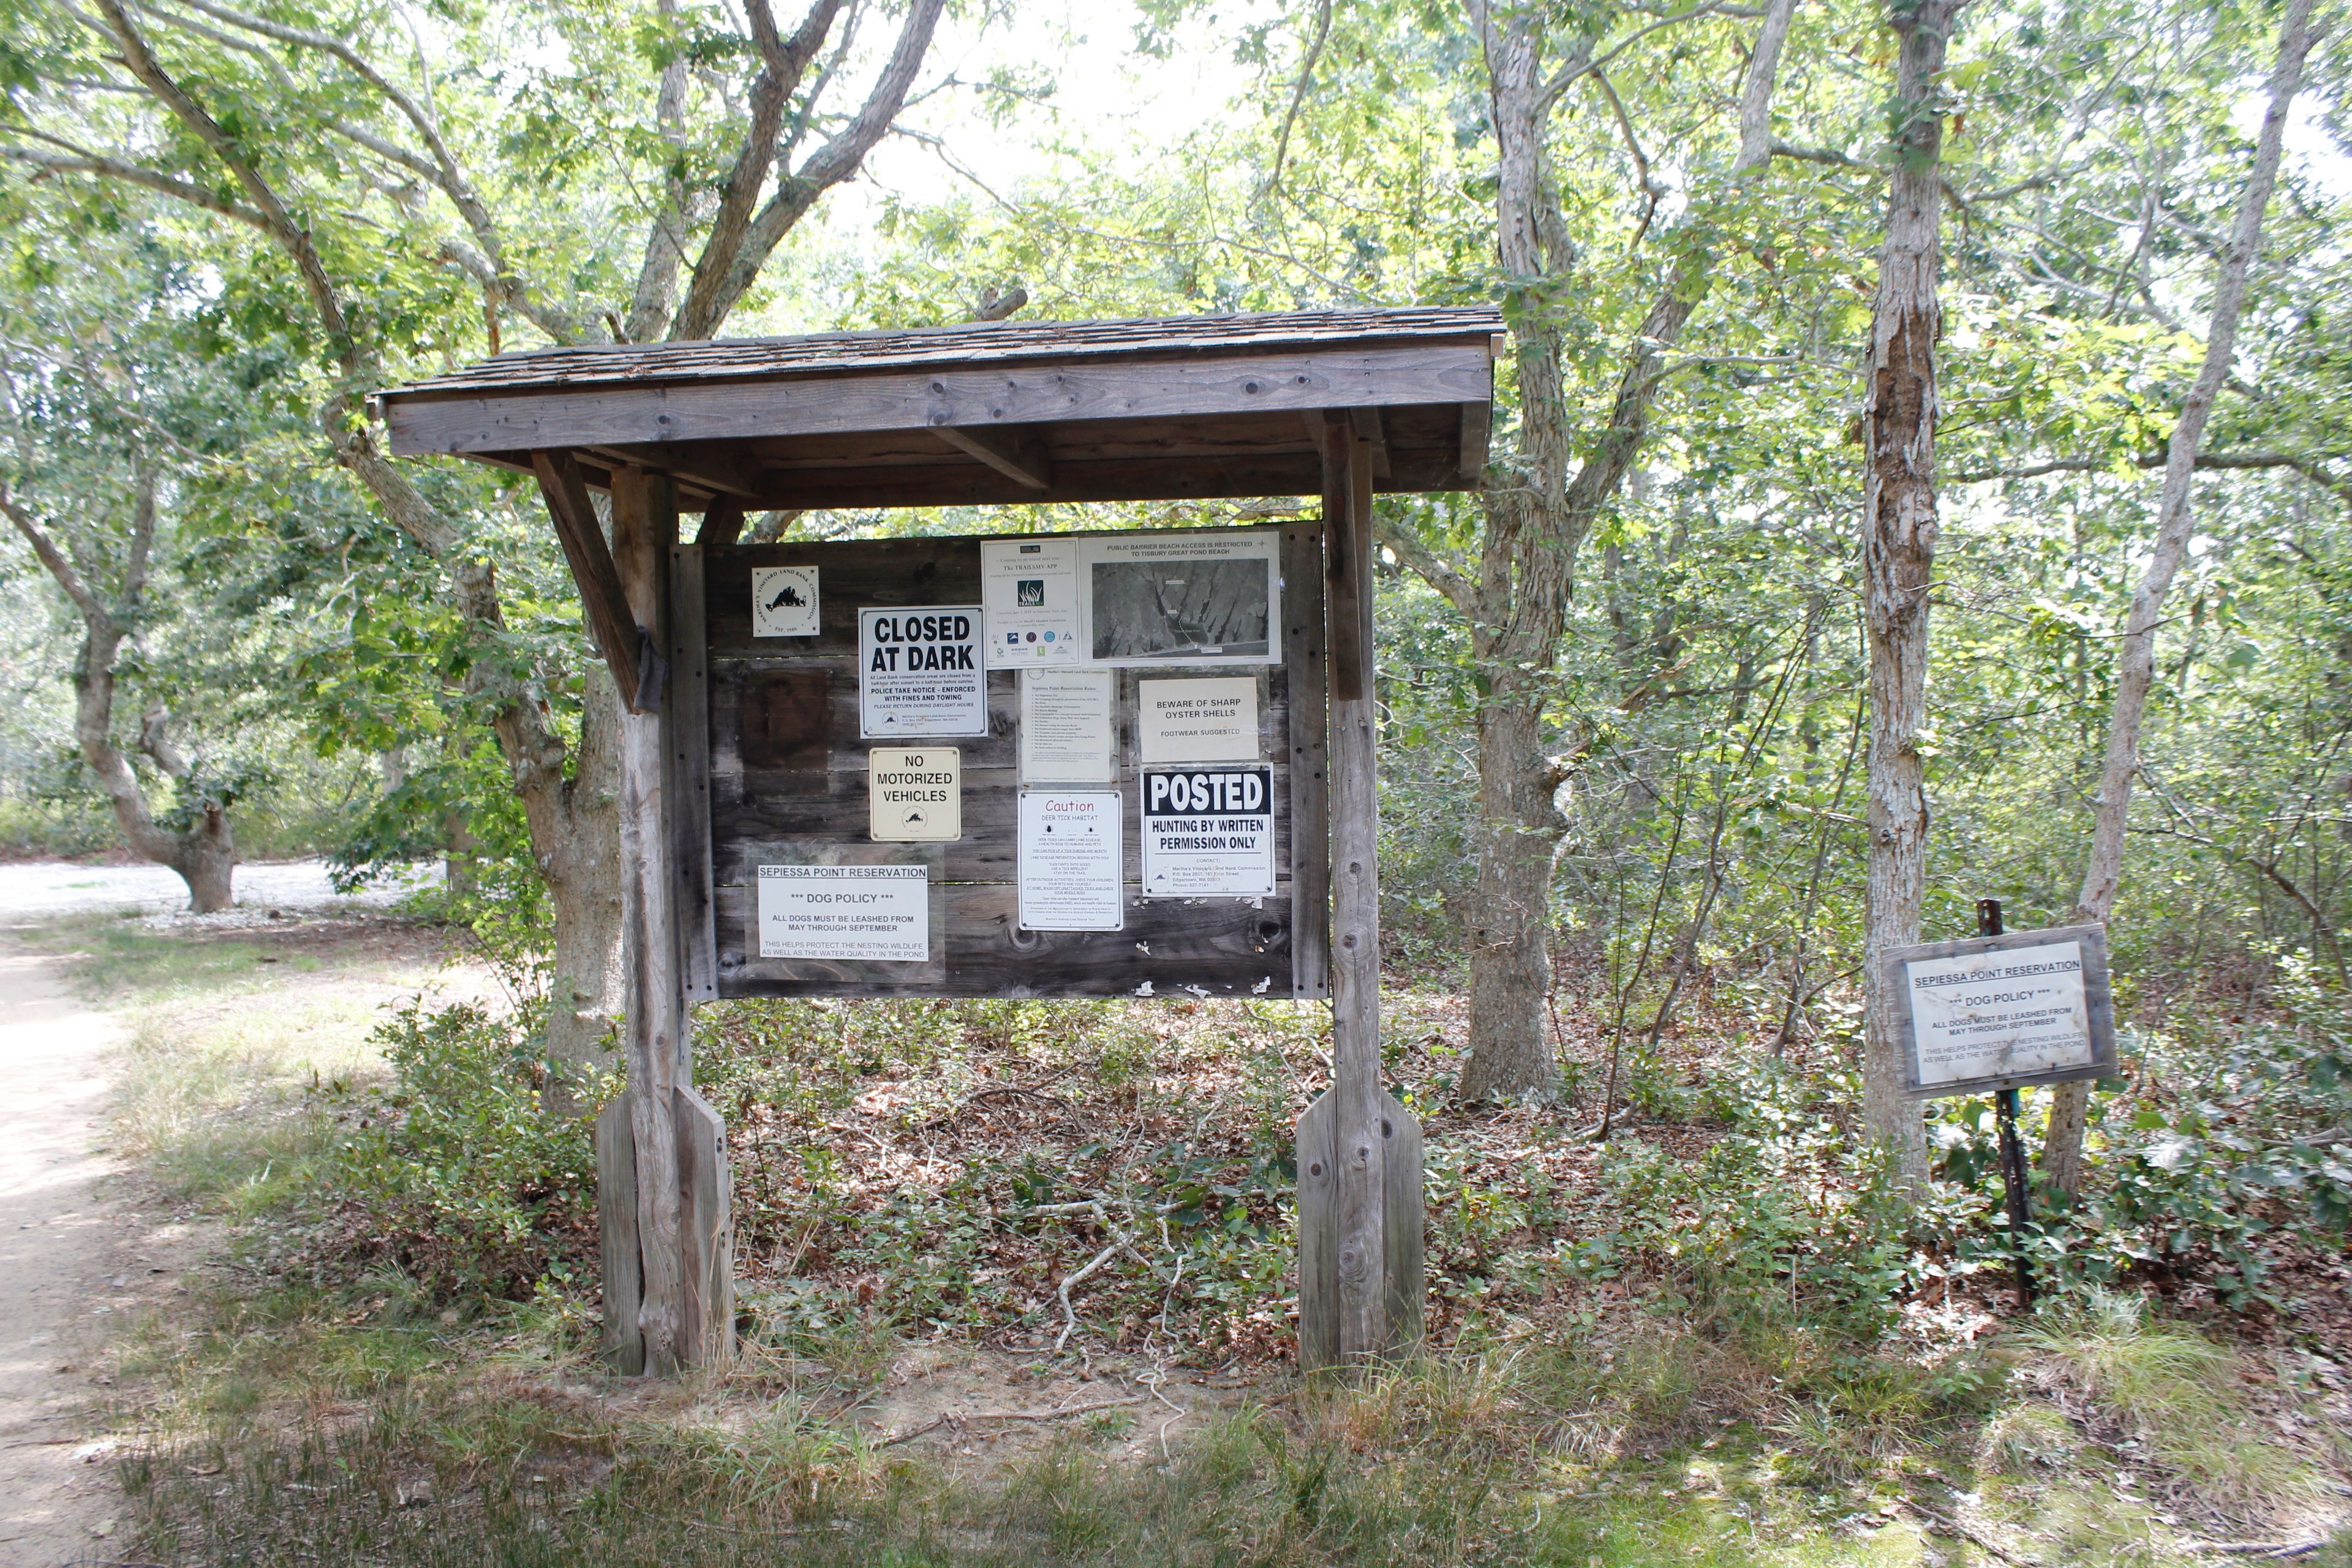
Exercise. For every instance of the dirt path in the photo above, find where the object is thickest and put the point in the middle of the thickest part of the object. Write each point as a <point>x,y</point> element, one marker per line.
<point>73,1262</point>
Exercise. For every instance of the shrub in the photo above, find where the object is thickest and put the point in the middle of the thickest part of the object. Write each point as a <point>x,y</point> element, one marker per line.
<point>457,1172</point>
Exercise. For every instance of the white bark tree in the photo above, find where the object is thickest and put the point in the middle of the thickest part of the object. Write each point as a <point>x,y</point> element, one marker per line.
<point>2061,1149</point>
<point>1898,547</point>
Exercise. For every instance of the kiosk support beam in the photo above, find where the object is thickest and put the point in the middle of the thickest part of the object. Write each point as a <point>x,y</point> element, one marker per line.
<point>678,1167</point>
<point>1360,1199</point>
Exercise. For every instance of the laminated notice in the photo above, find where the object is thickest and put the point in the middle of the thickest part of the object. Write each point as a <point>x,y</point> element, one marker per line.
<point>1069,859</point>
<point>918,672</point>
<point>1208,832</point>
<point>878,913</point>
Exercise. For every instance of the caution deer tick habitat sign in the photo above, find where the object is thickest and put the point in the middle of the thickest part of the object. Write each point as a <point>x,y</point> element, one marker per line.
<point>915,794</point>
<point>2003,1012</point>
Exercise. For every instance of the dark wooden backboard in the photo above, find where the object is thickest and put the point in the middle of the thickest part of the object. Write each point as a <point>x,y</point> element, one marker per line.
<point>777,769</point>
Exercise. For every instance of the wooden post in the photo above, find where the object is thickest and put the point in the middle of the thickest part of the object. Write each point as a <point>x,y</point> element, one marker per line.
<point>617,1228</point>
<point>1359,1213</point>
<point>652,996</point>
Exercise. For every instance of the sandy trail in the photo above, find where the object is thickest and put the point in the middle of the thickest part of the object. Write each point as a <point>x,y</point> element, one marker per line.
<point>70,1264</point>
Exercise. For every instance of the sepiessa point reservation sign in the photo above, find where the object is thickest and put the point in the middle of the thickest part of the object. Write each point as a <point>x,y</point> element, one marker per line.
<point>2003,1012</point>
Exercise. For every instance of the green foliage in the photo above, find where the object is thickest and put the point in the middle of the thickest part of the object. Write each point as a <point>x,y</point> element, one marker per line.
<point>458,1173</point>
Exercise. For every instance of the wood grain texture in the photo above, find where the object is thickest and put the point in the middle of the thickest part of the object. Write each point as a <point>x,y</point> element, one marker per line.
<point>1359,1235</point>
<point>1407,1211</point>
<point>624,1344</point>
<point>707,1234</point>
<point>1185,476</point>
<point>1222,947</point>
<point>577,413</point>
<point>1019,455</point>
<point>644,530</point>
<point>1318,1132</point>
<point>601,595</point>
<point>1306,729</point>
<point>687,743</point>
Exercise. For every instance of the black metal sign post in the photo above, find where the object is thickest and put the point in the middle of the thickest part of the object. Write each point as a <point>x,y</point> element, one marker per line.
<point>2012,1147</point>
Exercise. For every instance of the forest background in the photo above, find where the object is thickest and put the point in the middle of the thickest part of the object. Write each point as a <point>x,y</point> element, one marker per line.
<point>1648,719</point>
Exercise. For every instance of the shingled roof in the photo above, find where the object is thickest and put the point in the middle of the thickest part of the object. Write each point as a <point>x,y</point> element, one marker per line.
<point>963,344</point>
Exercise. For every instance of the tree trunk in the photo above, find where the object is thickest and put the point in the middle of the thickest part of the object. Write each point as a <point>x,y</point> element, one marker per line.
<point>2062,1148</point>
<point>1510,969</point>
<point>1899,552</point>
<point>207,859</point>
<point>1538,514</point>
<point>579,857</point>
<point>205,855</point>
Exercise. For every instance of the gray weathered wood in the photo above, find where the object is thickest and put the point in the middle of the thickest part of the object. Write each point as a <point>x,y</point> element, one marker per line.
<point>592,416</point>
<point>1223,947</point>
<point>1407,1209</point>
<point>616,1238</point>
<point>2098,1004</point>
<point>643,529</point>
<point>707,1274</point>
<point>1308,725</point>
<point>1018,455</point>
<point>1317,1132</point>
<point>1477,421</point>
<point>1361,1189</point>
<point>601,594</point>
<point>686,719</point>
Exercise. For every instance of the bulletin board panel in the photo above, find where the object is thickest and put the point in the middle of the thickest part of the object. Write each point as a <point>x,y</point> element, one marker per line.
<point>777,775</point>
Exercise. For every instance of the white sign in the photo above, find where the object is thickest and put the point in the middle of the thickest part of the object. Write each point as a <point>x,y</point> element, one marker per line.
<point>918,672</point>
<point>1067,731</point>
<point>1069,860</point>
<point>915,794</point>
<point>783,602</point>
<point>1208,832</point>
<point>1213,719</point>
<point>1030,589</point>
<point>2001,1010</point>
<point>881,913</point>
<point>1211,597</point>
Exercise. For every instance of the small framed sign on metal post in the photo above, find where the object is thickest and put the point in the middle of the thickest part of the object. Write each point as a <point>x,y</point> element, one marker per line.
<point>2006,1011</point>
<point>2000,1012</point>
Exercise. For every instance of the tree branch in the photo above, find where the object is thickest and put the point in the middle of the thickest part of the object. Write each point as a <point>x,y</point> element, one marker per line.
<point>779,78</point>
<point>291,237</point>
<point>2309,468</point>
<point>51,557</point>
<point>830,164</point>
<point>1438,569</point>
<point>79,162</point>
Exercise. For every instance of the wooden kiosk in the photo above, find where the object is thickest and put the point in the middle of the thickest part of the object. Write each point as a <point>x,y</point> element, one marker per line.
<point>1195,717</point>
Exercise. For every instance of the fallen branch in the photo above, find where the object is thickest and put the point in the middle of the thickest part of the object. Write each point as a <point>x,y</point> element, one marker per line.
<point>957,1419</point>
<point>1943,1526</point>
<point>2271,1551</point>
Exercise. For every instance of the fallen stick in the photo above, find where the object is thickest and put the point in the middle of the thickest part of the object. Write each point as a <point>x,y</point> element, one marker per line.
<point>1954,1527</point>
<point>960,1418</point>
<point>2272,1551</point>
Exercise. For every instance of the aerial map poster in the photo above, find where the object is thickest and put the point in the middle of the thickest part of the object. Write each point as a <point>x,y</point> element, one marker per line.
<point>1184,598</point>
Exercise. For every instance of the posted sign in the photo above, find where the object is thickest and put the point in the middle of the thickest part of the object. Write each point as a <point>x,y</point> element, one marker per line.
<point>2003,1012</point>
<point>1208,833</point>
